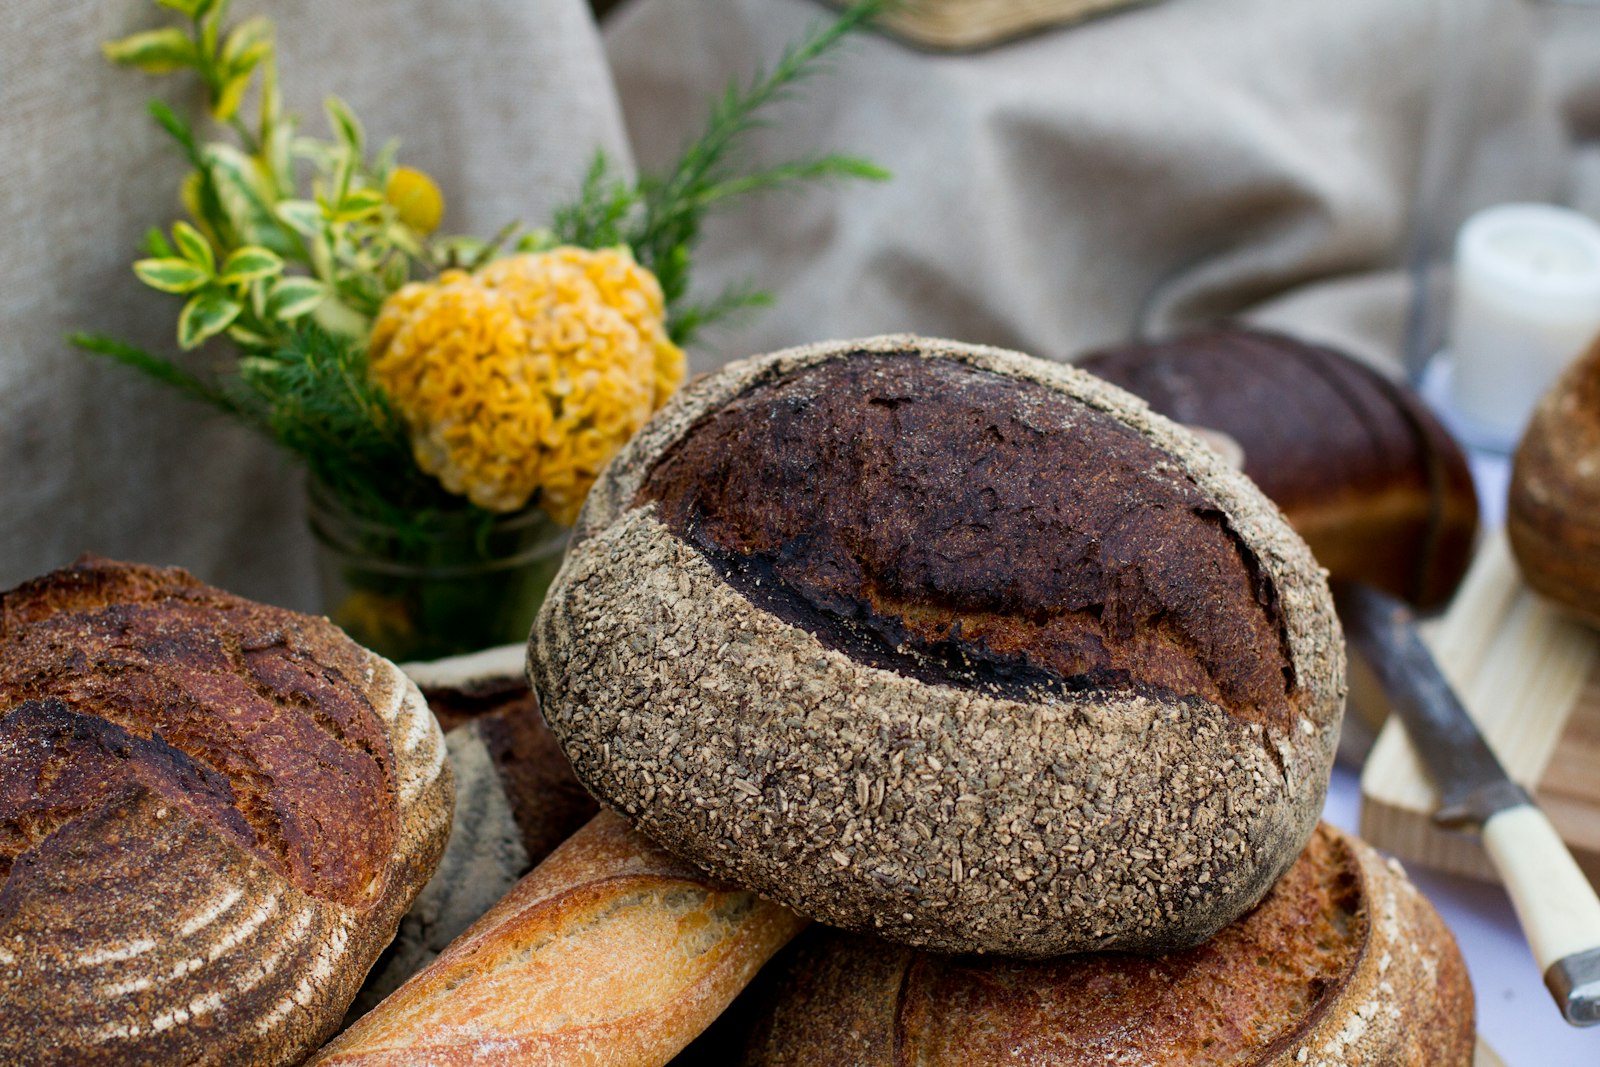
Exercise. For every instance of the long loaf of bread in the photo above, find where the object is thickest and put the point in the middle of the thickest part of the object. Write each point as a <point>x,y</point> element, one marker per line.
<point>610,952</point>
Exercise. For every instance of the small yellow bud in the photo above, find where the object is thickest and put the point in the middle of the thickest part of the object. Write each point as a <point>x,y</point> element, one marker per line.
<point>416,198</point>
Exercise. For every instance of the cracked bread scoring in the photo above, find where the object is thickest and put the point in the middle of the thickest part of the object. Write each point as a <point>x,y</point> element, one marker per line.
<point>1343,963</point>
<point>212,815</point>
<point>947,643</point>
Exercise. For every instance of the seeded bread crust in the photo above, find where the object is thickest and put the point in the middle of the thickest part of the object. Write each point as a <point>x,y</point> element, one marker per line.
<point>941,816</point>
<point>1344,963</point>
<point>213,814</point>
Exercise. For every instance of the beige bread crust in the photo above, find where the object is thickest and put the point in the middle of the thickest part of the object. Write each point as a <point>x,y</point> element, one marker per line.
<point>1553,508</point>
<point>137,931</point>
<point>1409,1001</point>
<point>611,952</point>
<point>1391,989</point>
<point>989,824</point>
<point>516,801</point>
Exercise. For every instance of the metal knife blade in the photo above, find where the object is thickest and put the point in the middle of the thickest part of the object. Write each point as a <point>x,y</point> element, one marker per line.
<point>1554,902</point>
<point>1472,784</point>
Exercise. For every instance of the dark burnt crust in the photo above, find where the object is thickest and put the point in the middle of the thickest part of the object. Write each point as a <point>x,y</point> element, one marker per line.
<point>60,764</point>
<point>896,506</point>
<point>300,768</point>
<point>939,816</point>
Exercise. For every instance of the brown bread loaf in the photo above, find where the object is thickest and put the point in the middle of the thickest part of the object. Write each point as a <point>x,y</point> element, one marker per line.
<point>516,800</point>
<point>610,952</point>
<point>1360,466</point>
<point>212,815</point>
<point>487,695</point>
<point>949,643</point>
<point>1343,963</point>
<point>1553,509</point>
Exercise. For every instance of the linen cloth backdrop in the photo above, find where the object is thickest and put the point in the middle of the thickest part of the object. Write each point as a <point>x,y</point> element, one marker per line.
<point>1154,168</point>
<point>502,101</point>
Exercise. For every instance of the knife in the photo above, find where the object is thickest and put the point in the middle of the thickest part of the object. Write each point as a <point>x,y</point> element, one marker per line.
<point>1554,902</point>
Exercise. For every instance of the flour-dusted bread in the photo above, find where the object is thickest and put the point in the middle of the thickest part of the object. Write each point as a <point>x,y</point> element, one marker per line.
<point>611,952</point>
<point>212,815</point>
<point>948,643</point>
<point>516,800</point>
<point>1343,963</point>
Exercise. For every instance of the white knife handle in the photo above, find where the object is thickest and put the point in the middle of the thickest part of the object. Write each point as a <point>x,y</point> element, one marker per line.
<point>1555,904</point>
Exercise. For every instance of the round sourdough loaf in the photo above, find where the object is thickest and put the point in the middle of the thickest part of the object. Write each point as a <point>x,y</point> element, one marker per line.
<point>1553,507</point>
<point>212,815</point>
<point>948,643</point>
<point>1362,469</point>
<point>1343,963</point>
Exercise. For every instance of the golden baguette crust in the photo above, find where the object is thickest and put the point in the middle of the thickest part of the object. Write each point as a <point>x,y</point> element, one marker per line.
<point>212,815</point>
<point>610,952</point>
<point>1343,963</point>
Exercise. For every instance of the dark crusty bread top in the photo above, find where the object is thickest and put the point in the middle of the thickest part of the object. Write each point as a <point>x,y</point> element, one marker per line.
<point>943,521</point>
<point>111,677</point>
<point>1342,963</point>
<point>931,805</point>
<point>1361,467</point>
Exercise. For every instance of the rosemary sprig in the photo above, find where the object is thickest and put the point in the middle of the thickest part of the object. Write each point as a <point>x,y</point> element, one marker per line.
<point>312,395</point>
<point>660,216</point>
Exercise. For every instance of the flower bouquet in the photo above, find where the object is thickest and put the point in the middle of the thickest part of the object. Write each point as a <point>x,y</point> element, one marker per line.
<point>452,398</point>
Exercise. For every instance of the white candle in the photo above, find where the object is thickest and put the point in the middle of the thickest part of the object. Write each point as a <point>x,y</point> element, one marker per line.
<point>1527,302</point>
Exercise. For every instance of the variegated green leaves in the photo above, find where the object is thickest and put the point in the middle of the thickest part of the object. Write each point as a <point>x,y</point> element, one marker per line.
<point>245,294</point>
<point>224,63</point>
<point>333,248</point>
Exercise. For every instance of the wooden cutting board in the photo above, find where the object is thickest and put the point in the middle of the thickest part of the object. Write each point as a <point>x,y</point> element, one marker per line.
<point>1530,676</point>
<point>968,24</point>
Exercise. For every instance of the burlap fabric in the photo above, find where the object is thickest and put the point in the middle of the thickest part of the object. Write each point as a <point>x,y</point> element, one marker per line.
<point>1159,166</point>
<point>503,101</point>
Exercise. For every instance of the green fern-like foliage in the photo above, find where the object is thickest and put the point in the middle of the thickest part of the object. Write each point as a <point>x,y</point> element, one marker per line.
<point>294,243</point>
<point>661,215</point>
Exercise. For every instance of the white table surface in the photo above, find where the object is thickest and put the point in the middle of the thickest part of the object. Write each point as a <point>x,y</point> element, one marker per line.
<point>1516,1015</point>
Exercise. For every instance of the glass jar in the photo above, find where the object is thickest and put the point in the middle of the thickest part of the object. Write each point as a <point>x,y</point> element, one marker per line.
<point>449,583</point>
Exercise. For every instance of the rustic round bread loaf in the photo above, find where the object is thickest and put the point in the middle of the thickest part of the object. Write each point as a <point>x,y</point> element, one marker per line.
<point>212,815</point>
<point>1361,468</point>
<point>1553,508</point>
<point>1343,963</point>
<point>949,643</point>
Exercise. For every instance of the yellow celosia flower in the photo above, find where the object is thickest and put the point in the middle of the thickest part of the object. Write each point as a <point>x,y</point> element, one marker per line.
<point>528,375</point>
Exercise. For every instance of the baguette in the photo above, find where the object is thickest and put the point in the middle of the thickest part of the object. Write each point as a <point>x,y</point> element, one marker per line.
<point>610,952</point>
